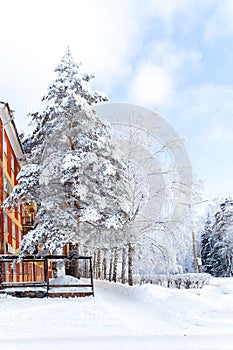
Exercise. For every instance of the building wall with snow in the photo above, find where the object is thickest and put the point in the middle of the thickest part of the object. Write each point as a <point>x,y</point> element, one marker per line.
<point>10,153</point>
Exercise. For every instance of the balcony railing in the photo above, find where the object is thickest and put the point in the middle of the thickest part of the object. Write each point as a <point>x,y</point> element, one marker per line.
<point>27,223</point>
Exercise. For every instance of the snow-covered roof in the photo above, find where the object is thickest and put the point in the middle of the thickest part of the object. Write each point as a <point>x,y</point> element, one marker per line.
<point>10,128</point>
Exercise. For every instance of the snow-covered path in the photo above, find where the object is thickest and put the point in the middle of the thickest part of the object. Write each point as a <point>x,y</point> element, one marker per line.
<point>121,317</point>
<point>119,342</point>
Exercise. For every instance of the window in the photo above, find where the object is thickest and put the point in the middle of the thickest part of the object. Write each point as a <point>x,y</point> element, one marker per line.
<point>18,209</point>
<point>5,223</point>
<point>13,230</point>
<point>4,146</point>
<point>12,163</point>
<point>7,186</point>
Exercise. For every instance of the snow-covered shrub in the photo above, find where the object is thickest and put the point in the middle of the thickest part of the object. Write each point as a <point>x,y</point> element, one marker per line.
<point>180,281</point>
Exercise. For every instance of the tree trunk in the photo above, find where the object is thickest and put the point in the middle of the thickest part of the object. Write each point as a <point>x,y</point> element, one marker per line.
<point>98,265</point>
<point>130,264</point>
<point>76,261</point>
<point>72,266</point>
<point>104,267</point>
<point>94,265</point>
<point>123,266</point>
<point>114,275</point>
<point>86,264</point>
<point>110,269</point>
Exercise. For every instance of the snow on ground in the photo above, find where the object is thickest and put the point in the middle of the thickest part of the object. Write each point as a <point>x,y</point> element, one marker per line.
<point>121,317</point>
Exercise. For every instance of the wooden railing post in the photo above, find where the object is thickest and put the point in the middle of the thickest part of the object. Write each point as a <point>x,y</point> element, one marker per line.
<point>46,274</point>
<point>91,273</point>
<point>1,272</point>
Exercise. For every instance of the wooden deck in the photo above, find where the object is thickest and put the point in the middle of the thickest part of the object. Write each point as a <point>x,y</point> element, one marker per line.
<point>45,288</point>
<point>42,289</point>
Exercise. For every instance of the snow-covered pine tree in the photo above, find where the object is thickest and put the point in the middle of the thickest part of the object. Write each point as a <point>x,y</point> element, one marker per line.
<point>222,240</point>
<point>81,185</point>
<point>206,246</point>
<point>69,94</point>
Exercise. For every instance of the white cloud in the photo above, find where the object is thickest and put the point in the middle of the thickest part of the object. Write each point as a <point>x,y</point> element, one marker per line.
<point>155,79</point>
<point>166,10</point>
<point>105,35</point>
<point>205,102</point>
<point>150,86</point>
<point>219,134</point>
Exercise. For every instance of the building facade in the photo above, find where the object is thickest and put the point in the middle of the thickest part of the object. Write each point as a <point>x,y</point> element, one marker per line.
<point>10,153</point>
<point>13,224</point>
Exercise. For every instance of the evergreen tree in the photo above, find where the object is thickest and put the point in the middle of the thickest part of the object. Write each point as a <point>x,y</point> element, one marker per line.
<point>206,246</point>
<point>69,94</point>
<point>222,240</point>
<point>79,182</point>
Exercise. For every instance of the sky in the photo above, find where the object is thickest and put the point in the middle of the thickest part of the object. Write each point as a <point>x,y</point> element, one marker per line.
<point>172,56</point>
